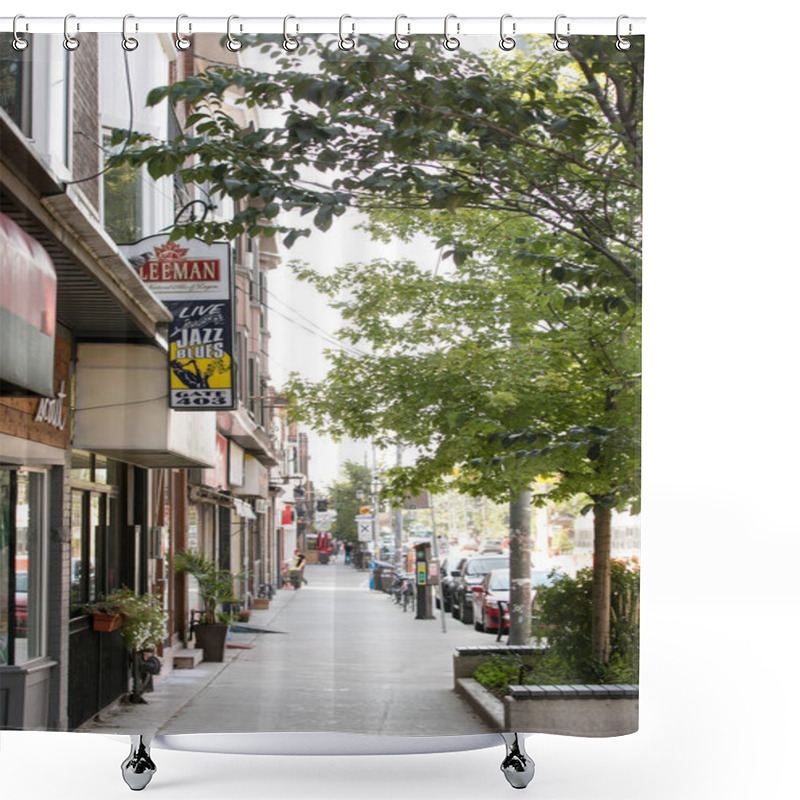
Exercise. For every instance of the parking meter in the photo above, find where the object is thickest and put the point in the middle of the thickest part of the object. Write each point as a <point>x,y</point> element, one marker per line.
<point>422,580</point>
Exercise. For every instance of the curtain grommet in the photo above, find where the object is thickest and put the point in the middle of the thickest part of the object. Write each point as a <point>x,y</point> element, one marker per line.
<point>290,43</point>
<point>70,42</point>
<point>451,42</point>
<point>129,43</point>
<point>19,43</point>
<point>233,44</point>
<point>346,42</point>
<point>401,43</point>
<point>507,42</point>
<point>181,42</point>
<point>560,43</point>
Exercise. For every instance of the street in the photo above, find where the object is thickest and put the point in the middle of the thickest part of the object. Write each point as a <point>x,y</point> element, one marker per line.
<point>341,658</point>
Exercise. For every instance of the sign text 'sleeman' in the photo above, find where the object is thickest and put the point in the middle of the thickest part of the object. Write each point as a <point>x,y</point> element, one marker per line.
<point>164,271</point>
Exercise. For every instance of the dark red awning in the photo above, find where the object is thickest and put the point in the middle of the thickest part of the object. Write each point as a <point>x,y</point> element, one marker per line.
<point>27,311</point>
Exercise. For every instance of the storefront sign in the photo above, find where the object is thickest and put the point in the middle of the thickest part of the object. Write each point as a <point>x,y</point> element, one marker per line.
<point>193,280</point>
<point>43,420</point>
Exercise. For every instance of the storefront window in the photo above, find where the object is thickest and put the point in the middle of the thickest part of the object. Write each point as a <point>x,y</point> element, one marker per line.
<point>94,543</point>
<point>22,561</point>
<point>15,82</point>
<point>76,571</point>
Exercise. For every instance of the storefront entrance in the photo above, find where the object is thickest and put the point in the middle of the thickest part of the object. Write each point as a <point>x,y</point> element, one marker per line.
<point>98,662</point>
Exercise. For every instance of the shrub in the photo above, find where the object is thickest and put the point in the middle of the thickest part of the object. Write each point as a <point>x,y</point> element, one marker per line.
<point>565,613</point>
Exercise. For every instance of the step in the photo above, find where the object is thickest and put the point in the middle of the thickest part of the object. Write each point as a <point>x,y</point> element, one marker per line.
<point>188,658</point>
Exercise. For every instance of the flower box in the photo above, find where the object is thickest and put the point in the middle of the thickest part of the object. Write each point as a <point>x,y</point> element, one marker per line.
<point>105,623</point>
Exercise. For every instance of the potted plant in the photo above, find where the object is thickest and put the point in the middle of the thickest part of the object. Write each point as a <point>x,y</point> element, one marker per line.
<point>215,587</point>
<point>106,615</point>
<point>139,616</point>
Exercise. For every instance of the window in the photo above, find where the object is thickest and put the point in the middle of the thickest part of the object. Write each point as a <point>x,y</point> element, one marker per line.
<point>22,564</point>
<point>122,199</point>
<point>15,82</point>
<point>94,541</point>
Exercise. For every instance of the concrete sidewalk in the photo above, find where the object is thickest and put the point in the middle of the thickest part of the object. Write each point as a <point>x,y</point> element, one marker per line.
<point>342,658</point>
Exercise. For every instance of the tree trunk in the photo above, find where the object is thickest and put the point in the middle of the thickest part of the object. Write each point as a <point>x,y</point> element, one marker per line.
<point>601,585</point>
<point>520,563</point>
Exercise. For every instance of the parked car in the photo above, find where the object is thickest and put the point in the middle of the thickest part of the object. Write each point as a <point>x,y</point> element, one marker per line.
<point>495,589</point>
<point>20,604</point>
<point>450,567</point>
<point>491,546</point>
<point>470,576</point>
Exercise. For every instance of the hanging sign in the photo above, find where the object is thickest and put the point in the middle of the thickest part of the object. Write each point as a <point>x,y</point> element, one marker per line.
<point>193,280</point>
<point>364,527</point>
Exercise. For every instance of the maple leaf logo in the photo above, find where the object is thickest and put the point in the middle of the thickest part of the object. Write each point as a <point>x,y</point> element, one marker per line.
<point>171,251</point>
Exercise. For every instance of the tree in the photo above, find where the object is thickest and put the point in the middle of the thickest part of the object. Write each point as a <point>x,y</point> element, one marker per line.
<point>528,169</point>
<point>342,498</point>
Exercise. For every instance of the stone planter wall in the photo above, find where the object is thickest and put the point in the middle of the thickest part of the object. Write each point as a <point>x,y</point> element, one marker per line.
<point>467,659</point>
<point>570,710</point>
<point>609,710</point>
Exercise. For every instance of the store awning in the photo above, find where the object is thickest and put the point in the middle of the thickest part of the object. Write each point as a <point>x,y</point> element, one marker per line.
<point>27,312</point>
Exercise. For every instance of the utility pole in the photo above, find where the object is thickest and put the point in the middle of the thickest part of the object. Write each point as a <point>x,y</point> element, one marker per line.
<point>398,518</point>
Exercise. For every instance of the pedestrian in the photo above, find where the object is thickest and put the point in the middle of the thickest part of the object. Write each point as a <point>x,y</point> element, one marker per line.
<point>348,553</point>
<point>297,569</point>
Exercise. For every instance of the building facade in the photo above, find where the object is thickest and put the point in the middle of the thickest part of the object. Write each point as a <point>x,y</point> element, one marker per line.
<point>101,482</point>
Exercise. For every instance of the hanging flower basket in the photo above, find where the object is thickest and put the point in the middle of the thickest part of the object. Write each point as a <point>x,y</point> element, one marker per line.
<point>105,623</point>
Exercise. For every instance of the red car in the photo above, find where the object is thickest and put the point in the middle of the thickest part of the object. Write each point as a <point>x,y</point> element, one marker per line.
<point>496,590</point>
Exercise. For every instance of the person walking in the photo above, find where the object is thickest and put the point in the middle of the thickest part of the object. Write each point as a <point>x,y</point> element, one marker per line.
<point>298,579</point>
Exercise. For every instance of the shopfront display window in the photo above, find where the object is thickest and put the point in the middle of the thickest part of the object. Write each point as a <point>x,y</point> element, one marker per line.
<point>94,548</point>
<point>22,563</point>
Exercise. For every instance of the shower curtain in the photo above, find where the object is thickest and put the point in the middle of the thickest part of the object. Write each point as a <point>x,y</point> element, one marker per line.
<point>354,323</point>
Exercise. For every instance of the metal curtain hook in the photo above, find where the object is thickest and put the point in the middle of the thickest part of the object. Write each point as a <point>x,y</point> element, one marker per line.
<point>559,42</point>
<point>622,42</point>
<point>19,43</point>
<point>290,43</point>
<point>451,42</point>
<point>507,42</point>
<point>70,42</point>
<point>346,42</point>
<point>233,44</point>
<point>181,42</point>
<point>400,41</point>
<point>128,42</point>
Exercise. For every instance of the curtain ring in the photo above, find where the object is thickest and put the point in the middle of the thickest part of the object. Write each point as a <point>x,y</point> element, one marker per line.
<point>70,42</point>
<point>622,42</point>
<point>346,42</point>
<point>233,44</point>
<point>290,43</point>
<point>128,42</point>
<point>19,43</point>
<point>507,42</point>
<point>559,42</point>
<point>451,42</point>
<point>400,41</point>
<point>181,42</point>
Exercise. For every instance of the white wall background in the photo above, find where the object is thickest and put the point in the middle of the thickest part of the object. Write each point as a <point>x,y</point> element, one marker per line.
<point>718,708</point>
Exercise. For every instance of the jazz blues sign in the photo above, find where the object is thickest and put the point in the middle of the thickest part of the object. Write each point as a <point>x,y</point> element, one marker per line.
<point>193,280</point>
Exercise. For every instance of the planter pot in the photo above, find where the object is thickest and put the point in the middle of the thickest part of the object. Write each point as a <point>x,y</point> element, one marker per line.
<point>105,623</point>
<point>211,639</point>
